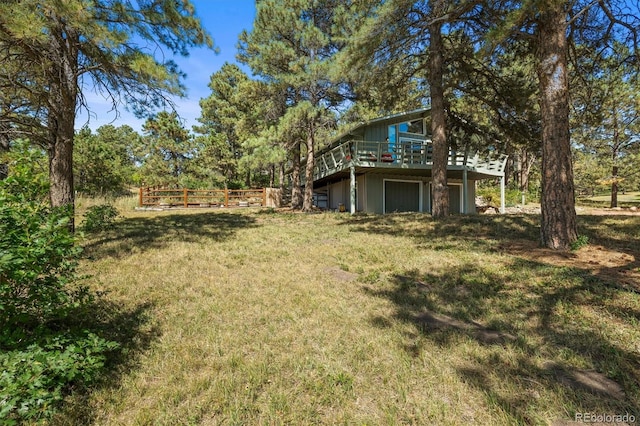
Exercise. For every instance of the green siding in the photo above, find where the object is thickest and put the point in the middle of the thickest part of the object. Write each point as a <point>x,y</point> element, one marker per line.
<point>339,194</point>
<point>455,192</point>
<point>369,193</point>
<point>374,193</point>
<point>471,197</point>
<point>361,190</point>
<point>402,196</point>
<point>377,133</point>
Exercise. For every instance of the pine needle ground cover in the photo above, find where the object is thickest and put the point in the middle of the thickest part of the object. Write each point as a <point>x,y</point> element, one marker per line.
<point>260,317</point>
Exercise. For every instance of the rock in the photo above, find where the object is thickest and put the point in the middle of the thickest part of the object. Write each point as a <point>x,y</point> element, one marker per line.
<point>491,210</point>
<point>481,202</point>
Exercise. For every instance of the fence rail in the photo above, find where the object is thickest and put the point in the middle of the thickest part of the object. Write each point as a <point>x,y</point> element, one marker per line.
<point>161,197</point>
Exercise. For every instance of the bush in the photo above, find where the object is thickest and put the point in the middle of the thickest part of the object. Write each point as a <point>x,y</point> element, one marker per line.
<point>44,349</point>
<point>99,217</point>
<point>582,241</point>
<point>37,260</point>
<point>512,197</point>
<point>34,379</point>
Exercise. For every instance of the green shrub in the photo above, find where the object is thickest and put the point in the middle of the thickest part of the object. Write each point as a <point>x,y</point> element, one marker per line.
<point>512,197</point>
<point>33,380</point>
<point>582,241</point>
<point>44,349</point>
<point>99,217</point>
<point>37,260</point>
<point>28,173</point>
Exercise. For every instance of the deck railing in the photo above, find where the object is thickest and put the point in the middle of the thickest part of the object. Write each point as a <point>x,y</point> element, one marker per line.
<point>400,154</point>
<point>162,197</point>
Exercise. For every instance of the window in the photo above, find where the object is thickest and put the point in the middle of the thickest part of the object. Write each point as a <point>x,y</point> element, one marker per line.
<point>392,134</point>
<point>415,127</point>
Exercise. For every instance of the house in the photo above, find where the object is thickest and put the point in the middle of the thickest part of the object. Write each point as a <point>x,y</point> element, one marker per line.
<point>384,165</point>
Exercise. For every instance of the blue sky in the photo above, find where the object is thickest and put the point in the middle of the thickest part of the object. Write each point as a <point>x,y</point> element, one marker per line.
<point>224,20</point>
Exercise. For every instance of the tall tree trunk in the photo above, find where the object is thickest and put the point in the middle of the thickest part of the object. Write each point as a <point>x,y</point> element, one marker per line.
<point>614,187</point>
<point>61,168</point>
<point>272,175</point>
<point>511,166</point>
<point>307,205</point>
<point>4,148</point>
<point>281,176</point>
<point>558,228</point>
<point>440,206</point>
<point>614,159</point>
<point>296,192</point>
<point>527,162</point>
<point>61,119</point>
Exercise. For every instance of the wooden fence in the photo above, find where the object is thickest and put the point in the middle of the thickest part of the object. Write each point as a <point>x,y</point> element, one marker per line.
<point>156,197</point>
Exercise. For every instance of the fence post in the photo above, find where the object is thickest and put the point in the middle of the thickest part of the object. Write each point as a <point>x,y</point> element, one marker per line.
<point>264,197</point>
<point>185,197</point>
<point>140,197</point>
<point>226,197</point>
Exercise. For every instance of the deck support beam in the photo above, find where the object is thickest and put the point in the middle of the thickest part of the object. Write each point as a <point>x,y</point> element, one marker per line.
<point>352,188</point>
<point>502,207</point>
<point>465,192</point>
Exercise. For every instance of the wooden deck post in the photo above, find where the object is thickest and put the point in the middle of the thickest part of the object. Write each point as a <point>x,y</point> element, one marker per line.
<point>502,209</point>
<point>465,192</point>
<point>352,188</point>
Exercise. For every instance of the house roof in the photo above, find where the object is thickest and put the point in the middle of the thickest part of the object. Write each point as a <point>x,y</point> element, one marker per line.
<point>393,118</point>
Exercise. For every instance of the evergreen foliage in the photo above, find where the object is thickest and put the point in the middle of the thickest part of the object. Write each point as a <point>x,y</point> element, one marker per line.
<point>42,350</point>
<point>291,46</point>
<point>606,120</point>
<point>223,111</point>
<point>168,150</point>
<point>52,50</point>
<point>104,162</point>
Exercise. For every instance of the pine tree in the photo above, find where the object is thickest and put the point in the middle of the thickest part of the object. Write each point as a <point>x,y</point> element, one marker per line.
<point>221,113</point>
<point>169,148</point>
<point>606,106</point>
<point>56,49</point>
<point>290,45</point>
<point>407,40</point>
<point>553,27</point>
<point>104,162</point>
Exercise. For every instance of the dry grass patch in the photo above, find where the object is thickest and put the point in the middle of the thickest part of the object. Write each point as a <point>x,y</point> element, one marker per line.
<point>255,318</point>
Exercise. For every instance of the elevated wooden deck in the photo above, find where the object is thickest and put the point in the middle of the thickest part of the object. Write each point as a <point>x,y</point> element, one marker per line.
<point>402,156</point>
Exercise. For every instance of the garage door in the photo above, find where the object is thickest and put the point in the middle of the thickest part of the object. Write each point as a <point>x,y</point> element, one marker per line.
<point>401,196</point>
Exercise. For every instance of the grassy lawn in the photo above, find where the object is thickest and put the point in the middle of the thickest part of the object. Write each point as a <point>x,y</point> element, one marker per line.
<point>624,200</point>
<point>253,317</point>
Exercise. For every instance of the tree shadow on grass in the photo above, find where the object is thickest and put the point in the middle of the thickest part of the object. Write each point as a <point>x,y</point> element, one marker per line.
<point>622,232</point>
<point>132,329</point>
<point>483,231</point>
<point>478,231</point>
<point>538,333</point>
<point>138,234</point>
